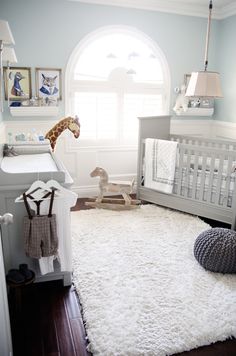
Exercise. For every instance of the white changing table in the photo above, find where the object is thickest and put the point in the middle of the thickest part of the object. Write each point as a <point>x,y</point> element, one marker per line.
<point>35,161</point>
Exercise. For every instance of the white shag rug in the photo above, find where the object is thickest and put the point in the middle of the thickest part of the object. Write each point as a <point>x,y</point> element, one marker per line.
<point>141,289</point>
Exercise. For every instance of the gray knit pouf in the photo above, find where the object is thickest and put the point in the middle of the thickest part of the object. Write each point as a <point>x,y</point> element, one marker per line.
<point>215,250</point>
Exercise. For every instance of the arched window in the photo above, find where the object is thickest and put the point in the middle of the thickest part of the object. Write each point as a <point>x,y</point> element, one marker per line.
<point>115,75</point>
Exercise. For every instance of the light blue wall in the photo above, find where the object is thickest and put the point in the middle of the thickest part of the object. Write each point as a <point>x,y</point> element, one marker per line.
<point>226,107</point>
<point>47,31</point>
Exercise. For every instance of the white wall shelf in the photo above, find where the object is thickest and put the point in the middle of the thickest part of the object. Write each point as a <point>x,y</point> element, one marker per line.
<point>34,111</point>
<point>197,112</point>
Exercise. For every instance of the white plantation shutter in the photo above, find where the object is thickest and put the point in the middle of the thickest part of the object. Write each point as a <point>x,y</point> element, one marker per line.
<point>116,77</point>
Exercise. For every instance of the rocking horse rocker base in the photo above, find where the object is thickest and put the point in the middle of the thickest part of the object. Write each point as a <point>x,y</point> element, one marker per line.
<point>113,204</point>
<point>123,188</point>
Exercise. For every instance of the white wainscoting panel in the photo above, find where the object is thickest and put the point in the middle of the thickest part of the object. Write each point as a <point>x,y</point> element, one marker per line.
<point>192,127</point>
<point>222,129</point>
<point>2,132</point>
<point>120,162</point>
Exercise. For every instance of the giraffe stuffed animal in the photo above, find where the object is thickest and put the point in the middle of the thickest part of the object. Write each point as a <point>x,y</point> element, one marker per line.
<point>67,123</point>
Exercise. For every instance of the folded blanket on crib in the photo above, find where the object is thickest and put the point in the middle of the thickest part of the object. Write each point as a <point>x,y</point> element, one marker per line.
<point>160,160</point>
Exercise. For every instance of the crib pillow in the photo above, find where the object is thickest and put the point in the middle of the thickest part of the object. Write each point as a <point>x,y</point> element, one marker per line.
<point>215,250</point>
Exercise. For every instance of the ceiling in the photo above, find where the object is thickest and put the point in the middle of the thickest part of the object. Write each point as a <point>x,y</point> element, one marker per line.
<point>221,8</point>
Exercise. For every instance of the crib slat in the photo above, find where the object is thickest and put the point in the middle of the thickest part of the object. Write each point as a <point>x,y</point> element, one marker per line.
<point>228,178</point>
<point>211,178</point>
<point>188,166</point>
<point>219,180</point>
<point>180,174</point>
<point>195,172</point>
<point>203,177</point>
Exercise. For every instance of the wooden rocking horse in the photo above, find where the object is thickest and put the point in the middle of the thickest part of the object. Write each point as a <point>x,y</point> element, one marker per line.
<point>67,123</point>
<point>119,187</point>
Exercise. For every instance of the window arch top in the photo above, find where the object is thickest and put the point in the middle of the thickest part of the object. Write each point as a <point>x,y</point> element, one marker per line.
<point>103,54</point>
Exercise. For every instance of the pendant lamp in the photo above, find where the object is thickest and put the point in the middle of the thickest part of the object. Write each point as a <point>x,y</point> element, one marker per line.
<point>204,83</point>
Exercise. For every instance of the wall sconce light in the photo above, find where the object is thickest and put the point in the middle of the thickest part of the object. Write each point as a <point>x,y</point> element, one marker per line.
<point>6,38</point>
<point>205,83</point>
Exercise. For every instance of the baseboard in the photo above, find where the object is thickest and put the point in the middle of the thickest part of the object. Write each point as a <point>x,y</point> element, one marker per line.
<point>85,191</point>
<point>91,191</point>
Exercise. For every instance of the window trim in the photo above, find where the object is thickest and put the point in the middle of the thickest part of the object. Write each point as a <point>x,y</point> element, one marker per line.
<point>71,84</point>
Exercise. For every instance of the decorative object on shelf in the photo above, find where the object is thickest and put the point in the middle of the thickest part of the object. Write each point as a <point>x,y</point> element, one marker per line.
<point>48,83</point>
<point>197,106</point>
<point>181,104</point>
<point>207,103</point>
<point>6,38</point>
<point>195,103</point>
<point>9,151</point>
<point>67,123</point>
<point>205,83</point>
<point>19,83</point>
<point>15,104</point>
<point>123,188</point>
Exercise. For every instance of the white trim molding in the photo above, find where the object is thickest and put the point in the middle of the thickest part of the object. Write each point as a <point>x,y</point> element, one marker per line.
<point>224,129</point>
<point>99,33</point>
<point>228,10</point>
<point>2,132</point>
<point>192,127</point>
<point>181,7</point>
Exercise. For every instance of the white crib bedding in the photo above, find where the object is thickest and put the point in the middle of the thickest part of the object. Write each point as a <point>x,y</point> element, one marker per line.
<point>39,162</point>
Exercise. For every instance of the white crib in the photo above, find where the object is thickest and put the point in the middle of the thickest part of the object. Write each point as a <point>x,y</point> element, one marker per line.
<point>204,175</point>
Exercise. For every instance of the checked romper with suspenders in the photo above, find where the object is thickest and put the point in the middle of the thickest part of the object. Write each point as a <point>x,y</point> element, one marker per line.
<point>40,231</point>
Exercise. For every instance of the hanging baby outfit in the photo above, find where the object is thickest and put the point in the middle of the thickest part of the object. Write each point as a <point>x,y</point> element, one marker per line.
<point>40,231</point>
<point>64,200</point>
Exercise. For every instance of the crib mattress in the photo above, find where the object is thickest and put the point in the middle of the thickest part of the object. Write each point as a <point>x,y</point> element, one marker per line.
<point>39,162</point>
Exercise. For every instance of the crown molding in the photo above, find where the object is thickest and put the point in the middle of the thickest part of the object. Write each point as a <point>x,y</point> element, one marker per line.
<point>182,7</point>
<point>228,10</point>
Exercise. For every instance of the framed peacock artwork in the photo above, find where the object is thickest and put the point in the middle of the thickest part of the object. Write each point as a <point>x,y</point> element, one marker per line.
<point>17,83</point>
<point>48,83</point>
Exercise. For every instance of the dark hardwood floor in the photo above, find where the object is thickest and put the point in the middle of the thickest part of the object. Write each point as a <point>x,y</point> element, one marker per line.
<point>46,321</point>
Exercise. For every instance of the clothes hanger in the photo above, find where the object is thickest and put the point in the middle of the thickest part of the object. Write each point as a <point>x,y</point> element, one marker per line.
<point>37,191</point>
<point>53,184</point>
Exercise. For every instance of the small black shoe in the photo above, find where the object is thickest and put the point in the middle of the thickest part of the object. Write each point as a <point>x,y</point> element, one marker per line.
<point>15,276</point>
<point>27,273</point>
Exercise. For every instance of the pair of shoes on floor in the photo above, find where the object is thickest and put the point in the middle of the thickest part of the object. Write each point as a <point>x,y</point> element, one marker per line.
<point>21,275</point>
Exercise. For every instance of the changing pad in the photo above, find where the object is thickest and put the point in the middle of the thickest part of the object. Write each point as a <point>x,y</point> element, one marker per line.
<point>41,162</point>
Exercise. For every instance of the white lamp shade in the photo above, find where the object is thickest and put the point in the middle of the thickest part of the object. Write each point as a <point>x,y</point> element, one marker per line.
<point>204,84</point>
<point>8,55</point>
<point>5,33</point>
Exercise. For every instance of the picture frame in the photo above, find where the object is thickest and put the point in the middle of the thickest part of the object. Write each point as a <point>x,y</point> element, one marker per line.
<point>17,83</point>
<point>48,83</point>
